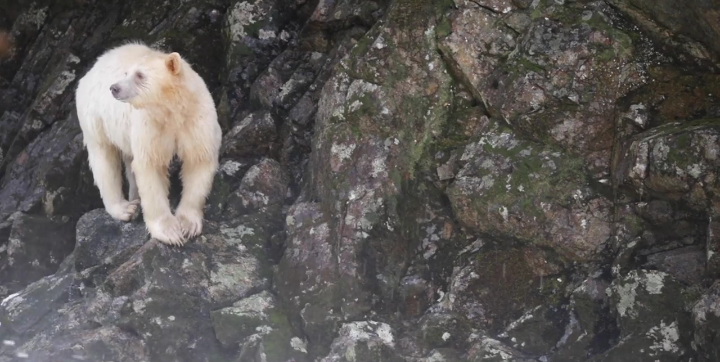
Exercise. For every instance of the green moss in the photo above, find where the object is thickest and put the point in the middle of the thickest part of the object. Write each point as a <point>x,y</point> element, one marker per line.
<point>361,119</point>
<point>678,157</point>
<point>536,13</point>
<point>623,44</point>
<point>396,176</point>
<point>451,142</point>
<point>277,346</point>
<point>278,319</point>
<point>398,72</point>
<point>691,295</point>
<point>539,11</point>
<point>362,46</point>
<point>532,182</point>
<point>606,54</point>
<point>683,141</point>
<point>413,108</point>
<point>444,28</point>
<point>240,50</point>
<point>527,65</point>
<point>635,225</point>
<point>443,5</point>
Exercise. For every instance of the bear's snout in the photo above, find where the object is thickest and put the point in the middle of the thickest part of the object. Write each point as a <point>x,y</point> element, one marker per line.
<point>115,89</point>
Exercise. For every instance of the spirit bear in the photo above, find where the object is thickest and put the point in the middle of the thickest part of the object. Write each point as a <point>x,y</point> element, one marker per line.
<point>143,106</point>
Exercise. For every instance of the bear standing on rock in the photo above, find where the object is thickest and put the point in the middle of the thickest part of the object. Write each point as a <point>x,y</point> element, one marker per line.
<point>144,106</point>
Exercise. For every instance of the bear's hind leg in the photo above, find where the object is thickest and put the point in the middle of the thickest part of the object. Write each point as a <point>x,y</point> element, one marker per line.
<point>105,166</point>
<point>197,178</point>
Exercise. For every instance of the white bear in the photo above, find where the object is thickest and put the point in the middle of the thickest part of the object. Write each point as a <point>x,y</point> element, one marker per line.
<point>144,106</point>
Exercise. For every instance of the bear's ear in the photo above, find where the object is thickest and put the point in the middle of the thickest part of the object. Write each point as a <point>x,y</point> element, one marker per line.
<point>173,63</point>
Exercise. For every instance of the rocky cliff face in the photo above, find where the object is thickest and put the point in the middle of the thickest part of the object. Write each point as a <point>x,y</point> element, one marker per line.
<point>400,180</point>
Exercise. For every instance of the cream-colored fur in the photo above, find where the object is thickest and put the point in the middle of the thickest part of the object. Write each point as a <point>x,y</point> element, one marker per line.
<point>143,106</point>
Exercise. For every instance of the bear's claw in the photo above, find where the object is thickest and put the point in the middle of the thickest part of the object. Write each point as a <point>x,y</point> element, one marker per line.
<point>124,211</point>
<point>167,230</point>
<point>190,221</point>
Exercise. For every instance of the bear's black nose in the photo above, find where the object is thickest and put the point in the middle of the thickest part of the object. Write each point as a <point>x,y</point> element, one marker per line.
<point>114,89</point>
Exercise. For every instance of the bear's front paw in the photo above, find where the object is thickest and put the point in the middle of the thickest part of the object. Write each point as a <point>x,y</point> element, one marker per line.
<point>124,210</point>
<point>167,230</point>
<point>190,220</point>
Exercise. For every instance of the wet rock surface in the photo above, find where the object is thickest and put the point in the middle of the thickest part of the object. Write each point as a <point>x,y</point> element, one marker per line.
<point>402,180</point>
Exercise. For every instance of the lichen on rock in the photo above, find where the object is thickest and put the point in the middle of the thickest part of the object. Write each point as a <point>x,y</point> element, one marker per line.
<point>403,180</point>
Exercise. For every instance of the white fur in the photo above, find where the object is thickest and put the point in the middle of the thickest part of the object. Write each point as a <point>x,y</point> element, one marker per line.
<point>170,114</point>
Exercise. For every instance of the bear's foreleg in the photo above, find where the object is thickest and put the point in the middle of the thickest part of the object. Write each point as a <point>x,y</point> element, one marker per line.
<point>106,169</point>
<point>197,178</point>
<point>153,185</point>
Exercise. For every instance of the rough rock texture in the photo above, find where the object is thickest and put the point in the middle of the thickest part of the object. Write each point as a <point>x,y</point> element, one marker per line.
<point>513,188</point>
<point>705,314</point>
<point>692,24</point>
<point>653,324</point>
<point>400,180</point>
<point>552,72</point>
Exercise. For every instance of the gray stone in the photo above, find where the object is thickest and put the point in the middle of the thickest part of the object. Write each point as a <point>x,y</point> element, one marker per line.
<point>404,180</point>
<point>33,247</point>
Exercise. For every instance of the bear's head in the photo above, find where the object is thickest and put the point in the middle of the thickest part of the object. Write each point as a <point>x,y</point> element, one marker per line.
<point>150,81</point>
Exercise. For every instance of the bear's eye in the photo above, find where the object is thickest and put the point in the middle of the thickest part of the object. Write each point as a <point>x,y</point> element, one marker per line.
<point>139,76</point>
